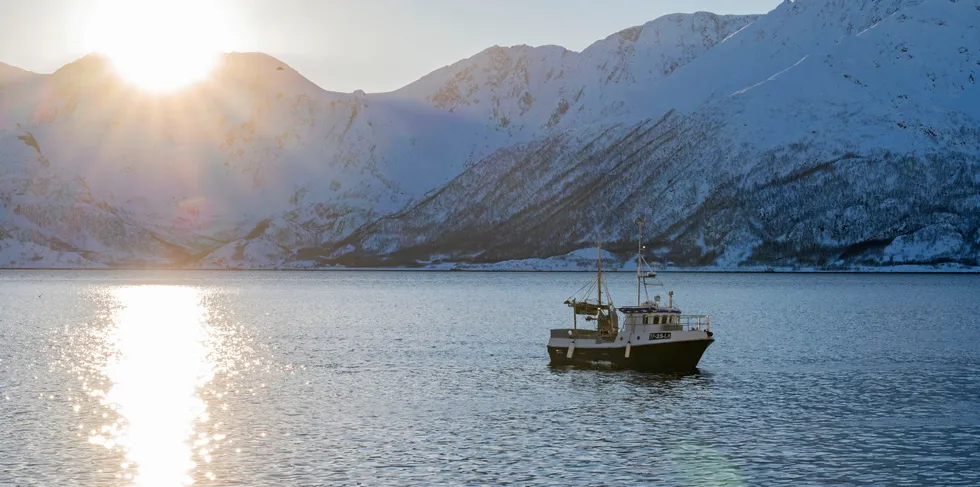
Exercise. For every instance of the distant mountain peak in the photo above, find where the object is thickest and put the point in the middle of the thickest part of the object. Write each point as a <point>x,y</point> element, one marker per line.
<point>253,59</point>
<point>262,69</point>
<point>550,87</point>
<point>798,138</point>
<point>88,65</point>
<point>8,71</point>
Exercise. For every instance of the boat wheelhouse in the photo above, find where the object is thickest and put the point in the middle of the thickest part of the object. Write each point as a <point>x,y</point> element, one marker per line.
<point>650,336</point>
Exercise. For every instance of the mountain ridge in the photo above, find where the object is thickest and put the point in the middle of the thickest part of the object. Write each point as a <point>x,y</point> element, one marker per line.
<point>493,159</point>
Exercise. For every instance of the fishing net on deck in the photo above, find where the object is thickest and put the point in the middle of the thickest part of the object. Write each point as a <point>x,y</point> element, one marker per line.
<point>584,308</point>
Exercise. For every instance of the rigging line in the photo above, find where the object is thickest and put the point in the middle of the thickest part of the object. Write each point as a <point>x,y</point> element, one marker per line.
<point>608,295</point>
<point>588,292</point>
<point>582,290</point>
<point>579,291</point>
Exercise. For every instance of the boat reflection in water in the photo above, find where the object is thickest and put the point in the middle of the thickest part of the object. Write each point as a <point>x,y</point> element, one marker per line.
<point>159,360</point>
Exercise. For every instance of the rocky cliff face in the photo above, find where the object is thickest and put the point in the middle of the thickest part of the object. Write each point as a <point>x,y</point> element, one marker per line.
<point>825,134</point>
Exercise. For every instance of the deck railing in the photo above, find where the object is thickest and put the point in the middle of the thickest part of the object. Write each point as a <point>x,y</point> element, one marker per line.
<point>682,323</point>
<point>691,323</point>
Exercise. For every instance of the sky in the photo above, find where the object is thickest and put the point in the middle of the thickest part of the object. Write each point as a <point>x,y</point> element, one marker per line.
<point>345,45</point>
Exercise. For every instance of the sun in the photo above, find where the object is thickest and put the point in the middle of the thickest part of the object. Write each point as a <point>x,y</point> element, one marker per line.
<point>159,45</point>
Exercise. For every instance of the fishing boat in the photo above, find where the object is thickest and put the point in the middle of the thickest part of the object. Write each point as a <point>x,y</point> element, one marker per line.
<point>652,336</point>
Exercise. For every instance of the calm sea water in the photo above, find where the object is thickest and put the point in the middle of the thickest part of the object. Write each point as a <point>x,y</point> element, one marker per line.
<point>403,378</point>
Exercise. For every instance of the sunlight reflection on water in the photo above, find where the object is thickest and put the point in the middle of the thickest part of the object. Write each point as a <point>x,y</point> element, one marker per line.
<point>160,359</point>
<point>391,379</point>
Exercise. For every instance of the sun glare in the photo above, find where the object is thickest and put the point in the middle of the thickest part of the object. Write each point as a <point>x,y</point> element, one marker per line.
<point>162,360</point>
<point>159,45</point>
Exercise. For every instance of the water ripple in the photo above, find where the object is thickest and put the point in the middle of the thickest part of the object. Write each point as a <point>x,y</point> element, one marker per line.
<point>271,379</point>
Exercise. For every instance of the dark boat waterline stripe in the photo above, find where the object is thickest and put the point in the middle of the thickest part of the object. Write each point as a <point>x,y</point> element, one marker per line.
<point>666,357</point>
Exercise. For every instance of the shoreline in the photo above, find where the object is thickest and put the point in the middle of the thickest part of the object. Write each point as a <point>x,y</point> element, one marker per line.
<point>964,271</point>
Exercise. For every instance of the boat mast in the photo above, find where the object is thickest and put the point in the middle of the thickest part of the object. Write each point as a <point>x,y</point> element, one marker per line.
<point>639,258</point>
<point>598,266</point>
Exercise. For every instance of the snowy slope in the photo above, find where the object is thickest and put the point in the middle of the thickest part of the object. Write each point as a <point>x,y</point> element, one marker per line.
<point>12,74</point>
<point>525,90</point>
<point>764,49</point>
<point>257,141</point>
<point>828,133</point>
<point>866,152</point>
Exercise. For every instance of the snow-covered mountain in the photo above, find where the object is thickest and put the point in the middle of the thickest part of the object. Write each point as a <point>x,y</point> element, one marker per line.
<point>828,133</point>
<point>523,89</point>
<point>207,166</point>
